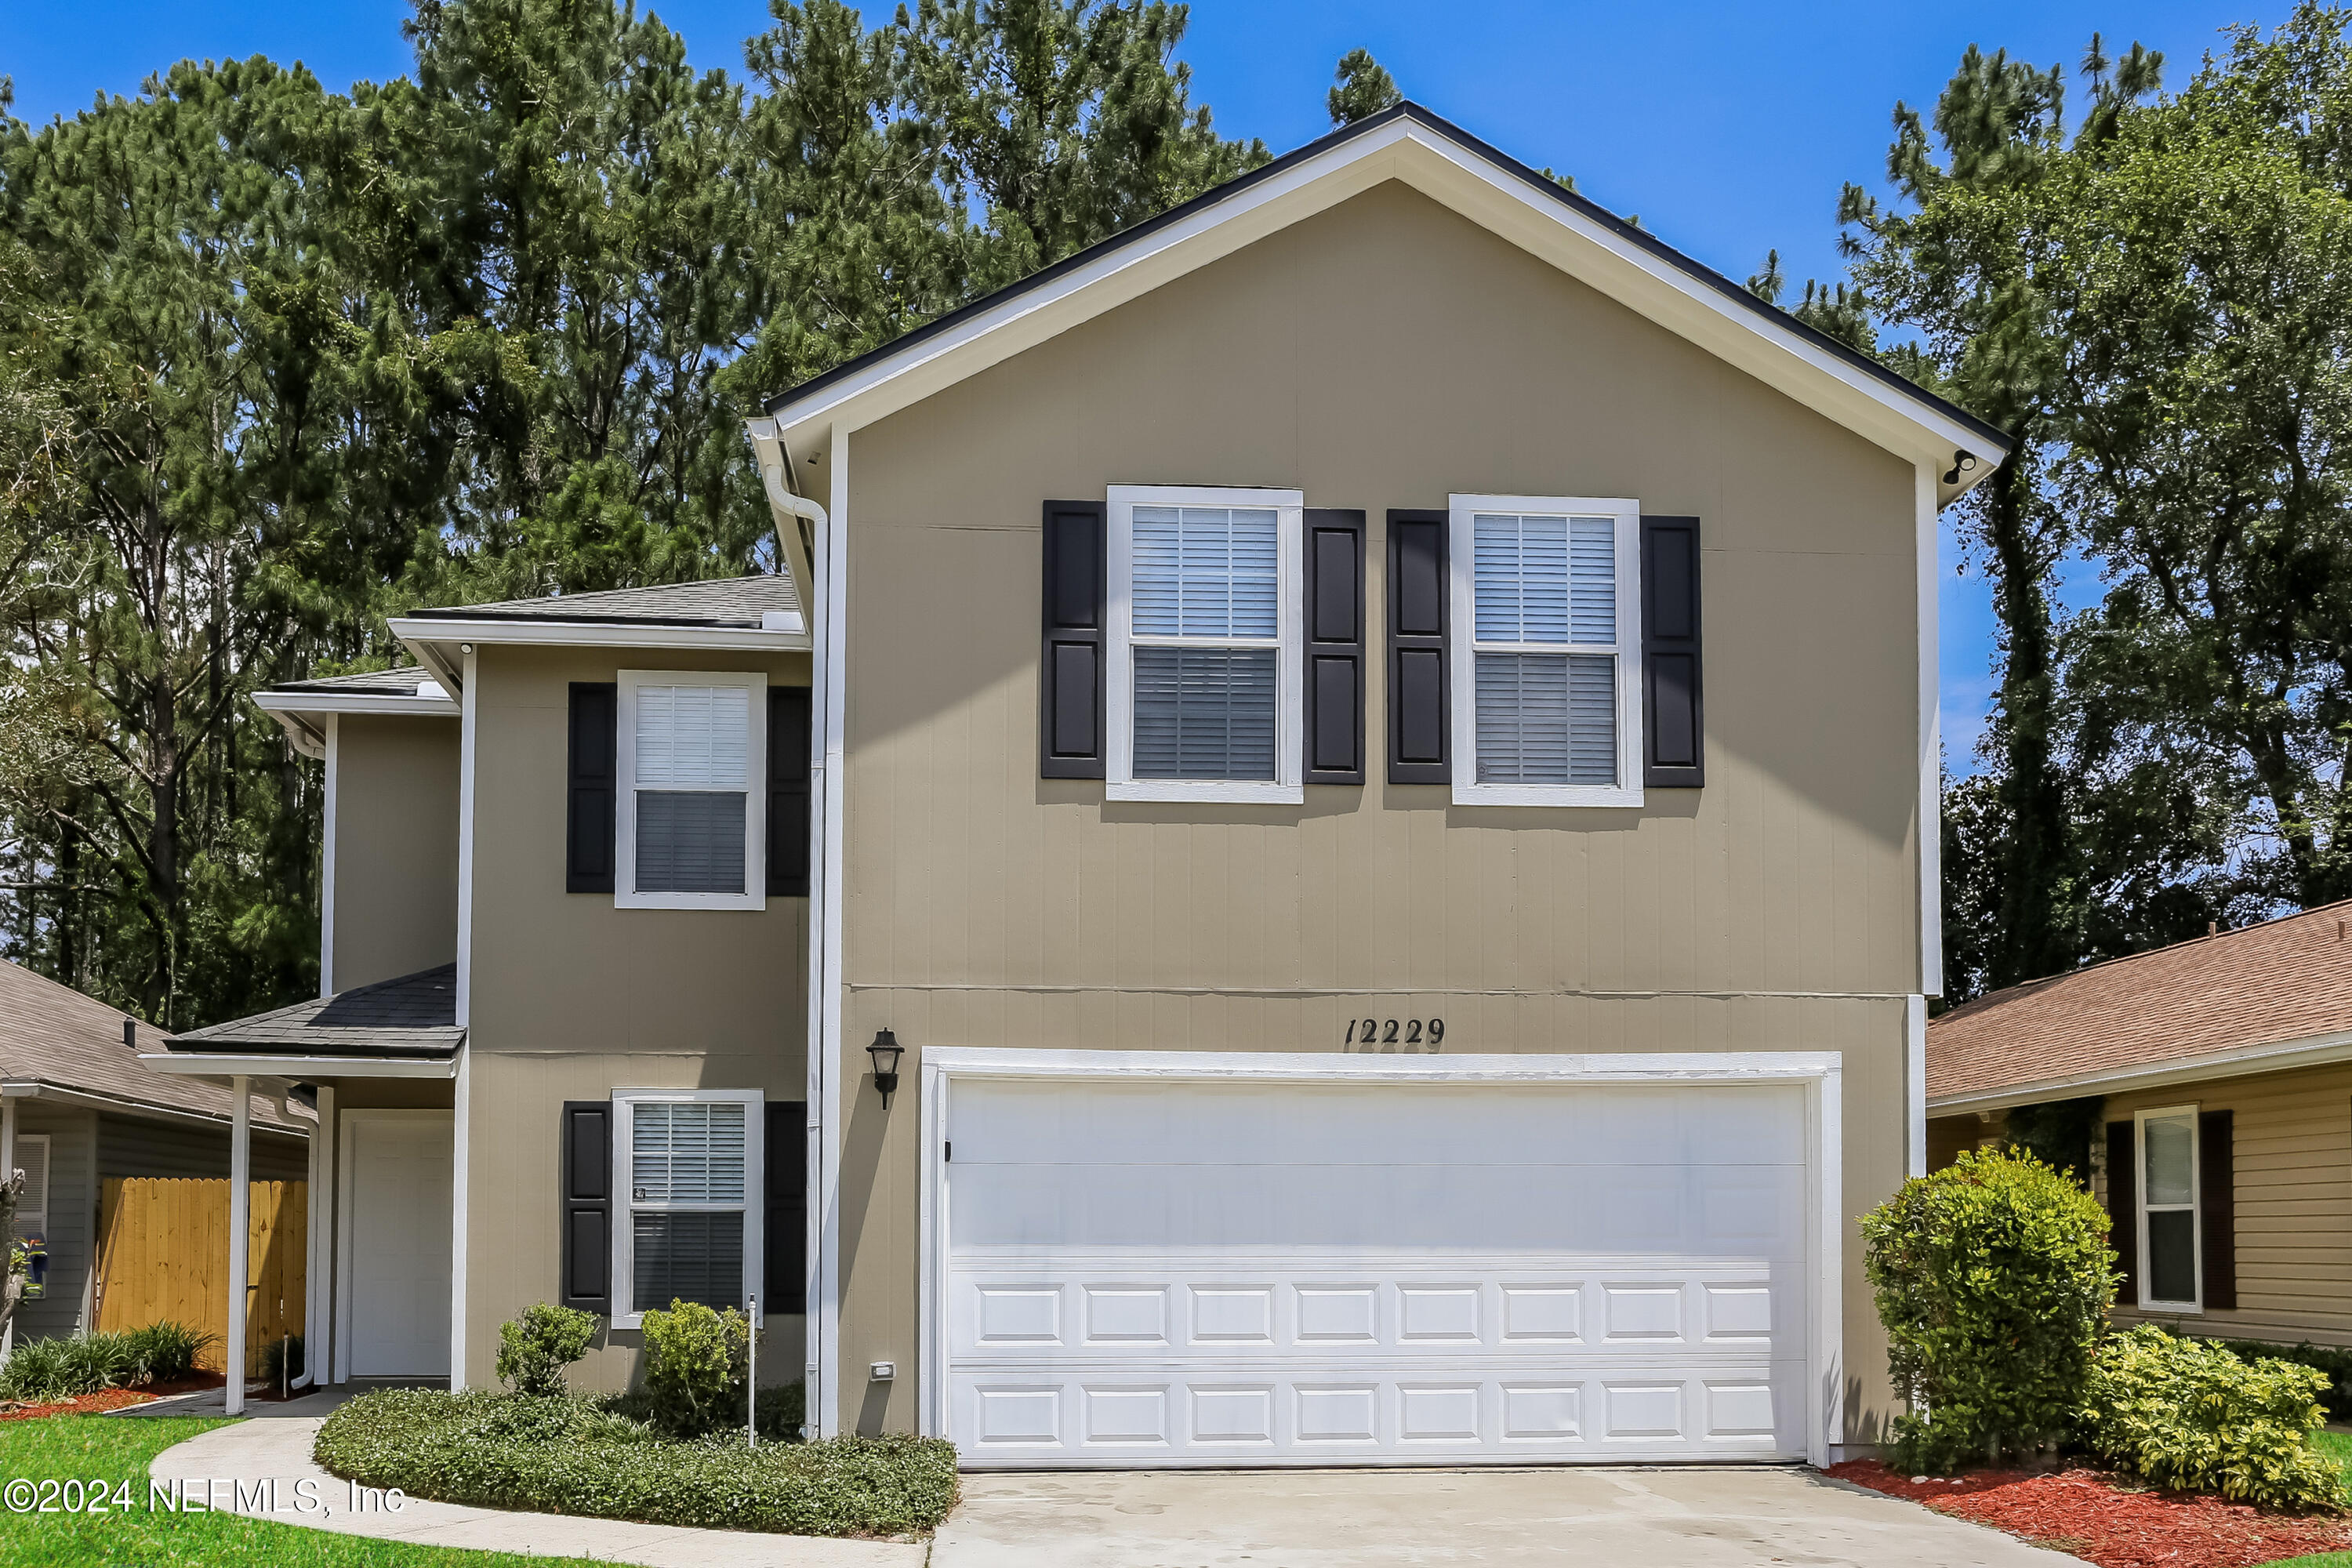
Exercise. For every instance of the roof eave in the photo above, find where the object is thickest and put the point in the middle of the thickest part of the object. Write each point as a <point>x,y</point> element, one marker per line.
<point>2238,1061</point>
<point>1410,145</point>
<point>244,1062</point>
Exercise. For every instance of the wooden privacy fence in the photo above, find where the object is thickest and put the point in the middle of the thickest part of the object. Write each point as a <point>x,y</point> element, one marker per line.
<point>163,1252</point>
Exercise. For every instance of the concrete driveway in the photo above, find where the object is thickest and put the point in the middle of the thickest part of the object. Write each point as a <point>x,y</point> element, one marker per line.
<point>1692,1518</point>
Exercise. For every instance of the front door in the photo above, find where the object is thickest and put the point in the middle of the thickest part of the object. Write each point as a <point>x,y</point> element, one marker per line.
<point>399,1242</point>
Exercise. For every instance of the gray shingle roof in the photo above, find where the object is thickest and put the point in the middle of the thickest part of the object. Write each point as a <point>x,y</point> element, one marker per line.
<point>409,1015</point>
<point>721,602</point>
<point>53,1035</point>
<point>401,683</point>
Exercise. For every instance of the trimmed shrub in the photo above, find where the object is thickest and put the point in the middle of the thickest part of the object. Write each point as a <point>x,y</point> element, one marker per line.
<point>1992,1278</point>
<point>585,1458</point>
<point>695,1361</point>
<point>167,1351</point>
<point>2190,1415</point>
<point>534,1349</point>
<point>2336,1361</point>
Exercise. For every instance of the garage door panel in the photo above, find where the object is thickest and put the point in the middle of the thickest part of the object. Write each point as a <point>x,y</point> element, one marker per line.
<point>1239,1274</point>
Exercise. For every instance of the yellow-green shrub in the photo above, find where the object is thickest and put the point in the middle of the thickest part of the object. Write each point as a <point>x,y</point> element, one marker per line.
<point>1992,1278</point>
<point>2191,1415</point>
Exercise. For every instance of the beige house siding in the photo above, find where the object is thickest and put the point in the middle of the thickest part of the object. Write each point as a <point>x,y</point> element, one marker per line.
<point>395,847</point>
<point>1947,1136</point>
<point>1383,355</point>
<point>571,998</point>
<point>2293,1136</point>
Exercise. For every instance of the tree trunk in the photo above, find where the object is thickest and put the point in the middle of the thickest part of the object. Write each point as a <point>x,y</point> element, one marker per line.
<point>2031,941</point>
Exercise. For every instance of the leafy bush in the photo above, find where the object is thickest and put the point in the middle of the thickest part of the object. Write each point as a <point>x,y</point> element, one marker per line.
<point>1992,1278</point>
<point>534,1349</point>
<point>2190,1415</point>
<point>585,1457</point>
<point>2336,1361</point>
<point>694,1366</point>
<point>86,1364</point>
<point>282,1361</point>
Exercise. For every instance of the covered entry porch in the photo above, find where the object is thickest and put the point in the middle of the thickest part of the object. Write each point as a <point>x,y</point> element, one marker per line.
<point>381,1064</point>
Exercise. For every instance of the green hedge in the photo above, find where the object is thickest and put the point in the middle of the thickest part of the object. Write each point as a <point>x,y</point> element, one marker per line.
<point>2336,1361</point>
<point>2188,1414</point>
<point>583,1456</point>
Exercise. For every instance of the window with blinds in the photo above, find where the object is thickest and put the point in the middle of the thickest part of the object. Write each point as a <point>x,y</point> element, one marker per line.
<point>1206,683</point>
<point>694,764</point>
<point>1548,607</point>
<point>691,1183</point>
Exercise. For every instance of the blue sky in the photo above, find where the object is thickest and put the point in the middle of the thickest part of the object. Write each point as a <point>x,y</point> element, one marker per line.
<point>1728,128</point>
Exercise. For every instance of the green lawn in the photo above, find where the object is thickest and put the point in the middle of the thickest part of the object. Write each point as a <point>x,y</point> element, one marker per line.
<point>2337,1445</point>
<point>91,1446</point>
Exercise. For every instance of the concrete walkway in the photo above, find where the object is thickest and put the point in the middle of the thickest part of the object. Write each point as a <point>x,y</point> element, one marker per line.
<point>276,1446</point>
<point>1693,1518</point>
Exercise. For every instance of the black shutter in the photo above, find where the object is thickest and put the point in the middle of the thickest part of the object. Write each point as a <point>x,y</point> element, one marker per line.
<point>2123,1210</point>
<point>1420,702</point>
<point>591,786</point>
<point>2217,1205</point>
<point>1070,665</point>
<point>786,1222</point>
<point>1674,740</point>
<point>587,1183</point>
<point>788,792</point>
<point>1335,647</point>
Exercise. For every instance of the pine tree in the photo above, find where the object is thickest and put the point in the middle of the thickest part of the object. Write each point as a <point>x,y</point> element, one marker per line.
<point>1363,88</point>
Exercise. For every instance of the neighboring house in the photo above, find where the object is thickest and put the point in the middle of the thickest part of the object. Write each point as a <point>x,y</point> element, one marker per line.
<point>78,1108</point>
<point>1356,1005</point>
<point>2218,1075</point>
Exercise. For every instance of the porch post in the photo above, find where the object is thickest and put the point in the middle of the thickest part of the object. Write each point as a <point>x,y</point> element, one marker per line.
<point>319,1267</point>
<point>240,1219</point>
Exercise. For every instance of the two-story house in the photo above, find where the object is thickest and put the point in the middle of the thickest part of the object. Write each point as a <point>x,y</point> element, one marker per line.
<point>1327,854</point>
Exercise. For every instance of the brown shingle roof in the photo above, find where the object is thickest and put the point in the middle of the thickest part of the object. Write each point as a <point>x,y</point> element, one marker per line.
<point>53,1035</point>
<point>2284,980</point>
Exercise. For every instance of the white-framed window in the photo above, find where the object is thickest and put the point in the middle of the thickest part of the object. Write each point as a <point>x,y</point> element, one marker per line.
<point>688,1186</point>
<point>2170,1245</point>
<point>1547,650</point>
<point>33,1209</point>
<point>691,823</point>
<point>1203,671</point>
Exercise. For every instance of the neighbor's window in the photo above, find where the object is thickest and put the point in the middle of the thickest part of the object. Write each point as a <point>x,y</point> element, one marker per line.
<point>688,1168</point>
<point>692,749</point>
<point>1204,665</point>
<point>1545,705</point>
<point>2167,1151</point>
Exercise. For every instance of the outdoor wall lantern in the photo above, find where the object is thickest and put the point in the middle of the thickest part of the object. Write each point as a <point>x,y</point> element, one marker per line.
<point>885,1050</point>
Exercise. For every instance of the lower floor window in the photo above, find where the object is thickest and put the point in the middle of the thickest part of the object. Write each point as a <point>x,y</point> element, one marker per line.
<point>2168,1205</point>
<point>691,1175</point>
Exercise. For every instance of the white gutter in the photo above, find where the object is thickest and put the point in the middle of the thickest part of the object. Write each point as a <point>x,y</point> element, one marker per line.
<point>307,1068</point>
<point>820,599</point>
<point>2282,1056</point>
<point>430,701</point>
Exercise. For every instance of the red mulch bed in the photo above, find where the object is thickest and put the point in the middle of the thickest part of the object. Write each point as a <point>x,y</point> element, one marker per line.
<point>2087,1513</point>
<point>107,1399</point>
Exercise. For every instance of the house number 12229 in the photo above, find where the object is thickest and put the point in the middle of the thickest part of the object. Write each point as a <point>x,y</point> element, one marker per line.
<point>1413,1033</point>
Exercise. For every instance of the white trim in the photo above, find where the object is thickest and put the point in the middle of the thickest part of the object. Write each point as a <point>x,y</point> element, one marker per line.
<point>117,1105</point>
<point>1288,787</point>
<point>461,1163</point>
<point>2239,1061</point>
<point>1461,572</point>
<point>2196,1207</point>
<point>318,1329</point>
<point>467,734</point>
<point>327,864</point>
<point>419,632</point>
<point>1931,743</point>
<point>333,702</point>
<point>191,1064</point>
<point>1915,1085</point>
<point>825,1046</point>
<point>1818,1071</point>
<point>754,895</point>
<point>755,1186</point>
<point>345,1198</point>
<point>1471,183</point>
<point>240,1243</point>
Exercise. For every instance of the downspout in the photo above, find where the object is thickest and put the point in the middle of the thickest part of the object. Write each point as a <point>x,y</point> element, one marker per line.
<point>797,552</point>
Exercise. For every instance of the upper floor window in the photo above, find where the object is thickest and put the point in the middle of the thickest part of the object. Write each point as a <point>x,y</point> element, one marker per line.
<point>692,756</point>
<point>1203,672</point>
<point>1547,684</point>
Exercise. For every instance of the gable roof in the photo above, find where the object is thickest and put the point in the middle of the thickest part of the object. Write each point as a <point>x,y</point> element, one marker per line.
<point>713,602</point>
<point>404,681</point>
<point>408,1016</point>
<point>1408,142</point>
<point>2241,1000</point>
<point>54,1038</point>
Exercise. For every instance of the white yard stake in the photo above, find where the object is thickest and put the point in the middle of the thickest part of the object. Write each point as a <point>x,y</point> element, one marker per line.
<point>752,1378</point>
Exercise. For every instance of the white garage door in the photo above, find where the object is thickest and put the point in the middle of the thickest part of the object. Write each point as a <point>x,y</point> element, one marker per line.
<point>1168,1273</point>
